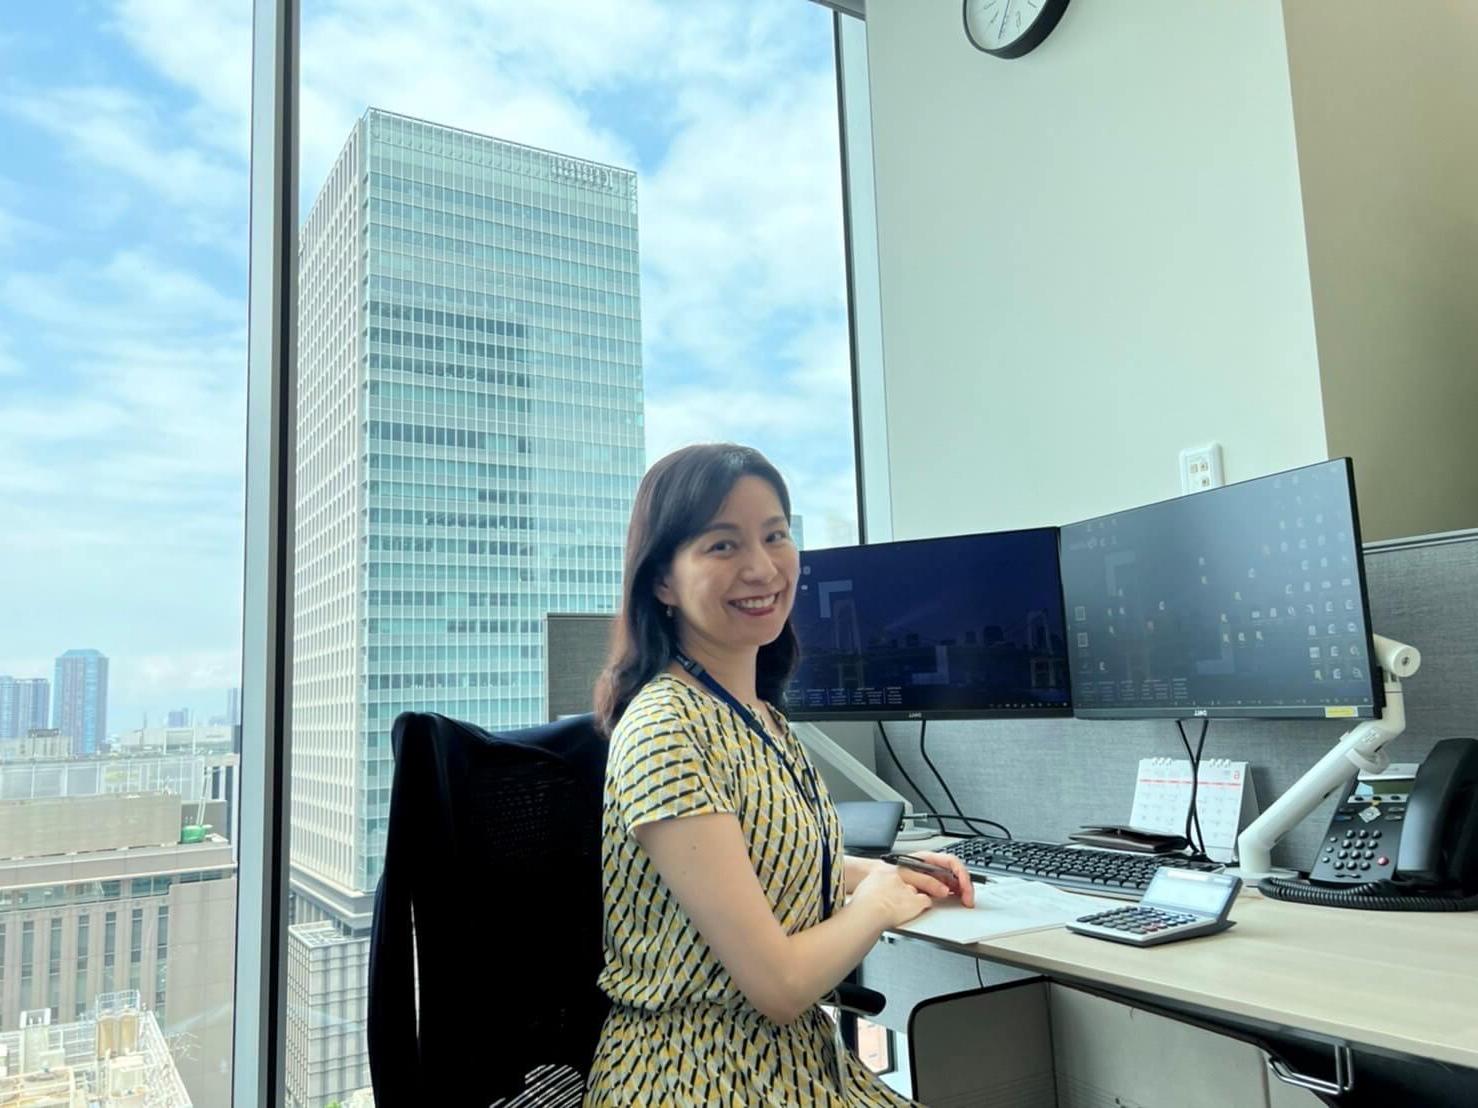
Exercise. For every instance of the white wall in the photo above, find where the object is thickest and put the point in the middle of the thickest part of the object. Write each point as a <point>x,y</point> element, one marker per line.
<point>1089,258</point>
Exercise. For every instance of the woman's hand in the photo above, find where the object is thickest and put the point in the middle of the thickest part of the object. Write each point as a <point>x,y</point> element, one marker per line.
<point>891,900</point>
<point>934,887</point>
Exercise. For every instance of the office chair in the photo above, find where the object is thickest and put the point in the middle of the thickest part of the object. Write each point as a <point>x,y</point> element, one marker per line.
<point>494,848</point>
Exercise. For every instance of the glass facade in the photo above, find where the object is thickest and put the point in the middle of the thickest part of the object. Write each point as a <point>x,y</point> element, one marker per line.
<point>470,429</point>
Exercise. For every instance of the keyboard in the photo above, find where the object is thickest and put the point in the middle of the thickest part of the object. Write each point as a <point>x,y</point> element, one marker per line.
<point>1112,873</point>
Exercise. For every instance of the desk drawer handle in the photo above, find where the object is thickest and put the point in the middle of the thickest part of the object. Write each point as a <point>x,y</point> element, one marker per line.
<point>1344,1074</point>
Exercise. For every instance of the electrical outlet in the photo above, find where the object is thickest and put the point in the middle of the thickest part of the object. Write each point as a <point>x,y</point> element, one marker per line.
<point>1200,468</point>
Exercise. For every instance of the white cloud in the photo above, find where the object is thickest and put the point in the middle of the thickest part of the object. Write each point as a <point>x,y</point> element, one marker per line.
<point>206,50</point>
<point>133,438</point>
<point>116,130</point>
<point>120,131</point>
<point>147,676</point>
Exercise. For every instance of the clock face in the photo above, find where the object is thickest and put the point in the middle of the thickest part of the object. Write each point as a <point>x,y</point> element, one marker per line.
<point>1010,28</point>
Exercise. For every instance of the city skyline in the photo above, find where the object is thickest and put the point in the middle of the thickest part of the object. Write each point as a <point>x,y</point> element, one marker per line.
<point>125,204</point>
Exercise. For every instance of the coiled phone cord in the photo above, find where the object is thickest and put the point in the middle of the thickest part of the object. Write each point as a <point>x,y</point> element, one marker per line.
<point>1379,896</point>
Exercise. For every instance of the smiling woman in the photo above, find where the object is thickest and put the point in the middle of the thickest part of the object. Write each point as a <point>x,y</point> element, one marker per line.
<point>710,565</point>
<point>722,852</point>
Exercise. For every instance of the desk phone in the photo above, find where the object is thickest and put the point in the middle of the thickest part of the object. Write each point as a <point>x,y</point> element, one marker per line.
<point>1179,904</point>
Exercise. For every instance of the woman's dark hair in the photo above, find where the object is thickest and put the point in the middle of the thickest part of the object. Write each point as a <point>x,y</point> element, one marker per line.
<point>676,499</point>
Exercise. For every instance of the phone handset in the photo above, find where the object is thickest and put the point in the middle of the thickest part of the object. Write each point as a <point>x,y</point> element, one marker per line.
<point>1439,844</point>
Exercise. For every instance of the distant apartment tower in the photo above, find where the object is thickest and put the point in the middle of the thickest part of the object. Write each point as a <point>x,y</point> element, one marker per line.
<point>25,703</point>
<point>81,699</point>
<point>233,707</point>
<point>177,717</point>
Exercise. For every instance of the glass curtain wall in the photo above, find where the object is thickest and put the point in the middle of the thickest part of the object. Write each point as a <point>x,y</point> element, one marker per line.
<point>123,230</point>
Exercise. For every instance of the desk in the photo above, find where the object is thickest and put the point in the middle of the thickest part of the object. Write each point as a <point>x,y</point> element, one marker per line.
<point>1403,984</point>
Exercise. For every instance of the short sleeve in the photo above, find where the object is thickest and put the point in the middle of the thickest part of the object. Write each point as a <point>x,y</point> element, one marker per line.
<point>657,770</point>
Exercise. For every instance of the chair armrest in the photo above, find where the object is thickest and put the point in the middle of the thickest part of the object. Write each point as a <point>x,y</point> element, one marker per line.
<point>859,1000</point>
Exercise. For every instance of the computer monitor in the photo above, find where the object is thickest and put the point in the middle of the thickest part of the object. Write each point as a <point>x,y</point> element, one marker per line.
<point>965,627</point>
<point>1246,600</point>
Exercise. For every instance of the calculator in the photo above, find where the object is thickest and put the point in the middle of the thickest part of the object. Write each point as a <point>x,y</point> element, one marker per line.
<point>1179,904</point>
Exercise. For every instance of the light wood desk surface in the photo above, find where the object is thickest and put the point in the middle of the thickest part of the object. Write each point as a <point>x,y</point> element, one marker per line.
<point>1401,981</point>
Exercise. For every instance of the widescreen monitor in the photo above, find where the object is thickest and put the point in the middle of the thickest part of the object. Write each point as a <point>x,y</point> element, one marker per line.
<point>1245,600</point>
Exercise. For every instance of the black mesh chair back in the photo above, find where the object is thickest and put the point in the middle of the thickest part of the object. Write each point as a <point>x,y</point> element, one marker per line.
<point>494,849</point>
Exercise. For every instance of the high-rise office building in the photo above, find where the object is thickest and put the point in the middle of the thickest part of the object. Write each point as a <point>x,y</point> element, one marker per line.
<point>469,439</point>
<point>233,707</point>
<point>81,699</point>
<point>25,704</point>
<point>177,717</point>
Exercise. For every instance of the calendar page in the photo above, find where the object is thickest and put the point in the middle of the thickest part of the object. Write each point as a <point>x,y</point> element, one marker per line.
<point>1224,800</point>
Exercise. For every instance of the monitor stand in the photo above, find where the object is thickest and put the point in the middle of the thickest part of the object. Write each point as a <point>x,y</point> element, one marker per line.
<point>833,762</point>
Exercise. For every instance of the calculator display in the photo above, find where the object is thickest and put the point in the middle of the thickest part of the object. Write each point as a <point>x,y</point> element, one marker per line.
<point>1187,892</point>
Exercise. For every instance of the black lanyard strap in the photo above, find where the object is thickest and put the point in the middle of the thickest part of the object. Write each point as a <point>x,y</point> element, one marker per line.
<point>809,788</point>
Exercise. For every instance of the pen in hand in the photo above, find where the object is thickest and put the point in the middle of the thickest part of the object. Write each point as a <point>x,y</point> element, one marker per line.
<point>918,865</point>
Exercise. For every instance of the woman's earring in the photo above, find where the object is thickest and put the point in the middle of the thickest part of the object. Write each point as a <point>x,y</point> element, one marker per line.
<point>669,611</point>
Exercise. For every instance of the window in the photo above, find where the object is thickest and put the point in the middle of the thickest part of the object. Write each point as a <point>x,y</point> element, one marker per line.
<point>54,968</point>
<point>110,951</point>
<point>161,959</point>
<point>28,969</point>
<point>135,949</point>
<point>123,232</point>
<point>84,925</point>
<point>524,274</point>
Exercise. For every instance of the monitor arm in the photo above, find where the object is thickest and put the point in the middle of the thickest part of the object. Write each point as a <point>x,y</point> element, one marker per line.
<point>1360,748</point>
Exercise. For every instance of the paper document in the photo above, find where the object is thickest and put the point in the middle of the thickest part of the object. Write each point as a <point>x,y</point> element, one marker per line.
<point>1004,906</point>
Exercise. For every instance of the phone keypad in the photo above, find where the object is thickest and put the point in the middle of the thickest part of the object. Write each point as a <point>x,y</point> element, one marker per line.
<point>1361,843</point>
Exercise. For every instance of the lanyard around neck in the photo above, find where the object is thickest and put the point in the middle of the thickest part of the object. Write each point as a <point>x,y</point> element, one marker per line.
<point>808,789</point>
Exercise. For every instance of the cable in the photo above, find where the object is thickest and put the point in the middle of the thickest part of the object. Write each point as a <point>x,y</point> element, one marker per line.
<point>1191,825</point>
<point>1193,817</point>
<point>1380,896</point>
<point>940,816</point>
<point>888,746</point>
<point>959,812</point>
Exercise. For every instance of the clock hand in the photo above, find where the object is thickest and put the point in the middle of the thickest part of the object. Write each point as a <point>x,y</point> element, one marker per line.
<point>1004,13</point>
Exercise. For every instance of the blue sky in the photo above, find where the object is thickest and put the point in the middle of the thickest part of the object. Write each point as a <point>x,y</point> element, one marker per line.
<point>123,214</point>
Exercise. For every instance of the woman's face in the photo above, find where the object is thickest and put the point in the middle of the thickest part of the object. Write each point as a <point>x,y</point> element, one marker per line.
<point>732,585</point>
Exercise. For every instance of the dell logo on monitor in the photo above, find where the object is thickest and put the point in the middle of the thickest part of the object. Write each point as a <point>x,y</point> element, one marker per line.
<point>1199,713</point>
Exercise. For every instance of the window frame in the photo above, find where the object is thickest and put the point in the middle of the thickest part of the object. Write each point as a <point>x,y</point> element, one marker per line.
<point>259,1016</point>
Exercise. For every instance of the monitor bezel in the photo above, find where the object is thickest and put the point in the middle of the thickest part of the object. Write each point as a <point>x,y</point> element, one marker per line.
<point>866,714</point>
<point>1292,711</point>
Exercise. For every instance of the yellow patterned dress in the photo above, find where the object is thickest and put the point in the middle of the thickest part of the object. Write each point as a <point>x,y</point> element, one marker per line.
<point>680,1032</point>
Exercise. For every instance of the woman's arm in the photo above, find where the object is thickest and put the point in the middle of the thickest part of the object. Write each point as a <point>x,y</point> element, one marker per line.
<point>705,862</point>
<point>856,869</point>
